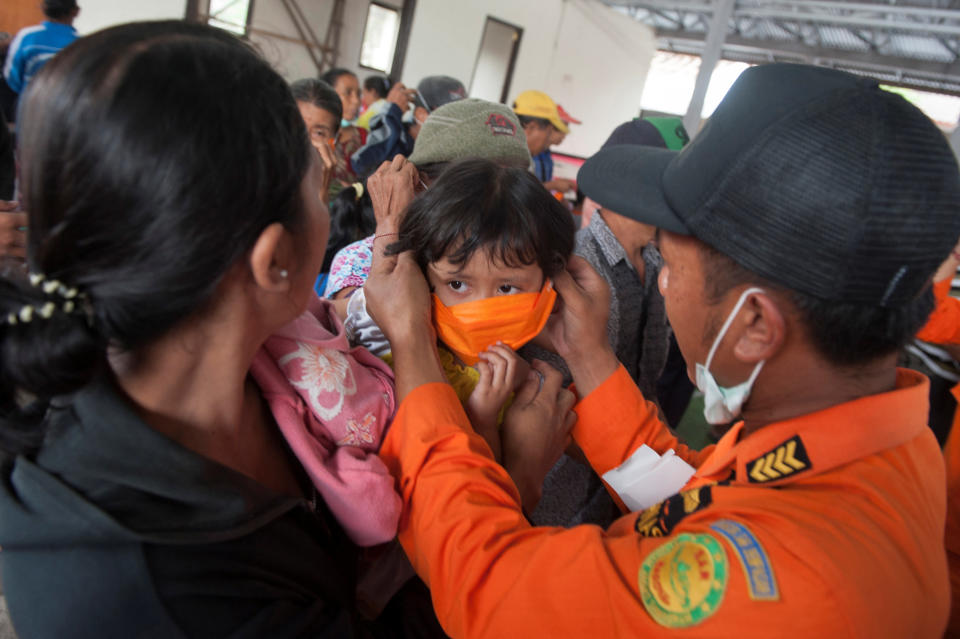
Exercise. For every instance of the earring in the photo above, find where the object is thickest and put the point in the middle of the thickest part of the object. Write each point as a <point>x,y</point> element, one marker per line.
<point>284,273</point>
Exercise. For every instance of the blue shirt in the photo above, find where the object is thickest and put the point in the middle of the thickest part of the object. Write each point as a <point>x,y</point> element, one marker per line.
<point>543,166</point>
<point>32,48</point>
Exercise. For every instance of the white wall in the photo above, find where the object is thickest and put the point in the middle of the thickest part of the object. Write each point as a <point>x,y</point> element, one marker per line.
<point>598,71</point>
<point>97,14</point>
<point>291,58</point>
<point>492,66</point>
<point>589,58</point>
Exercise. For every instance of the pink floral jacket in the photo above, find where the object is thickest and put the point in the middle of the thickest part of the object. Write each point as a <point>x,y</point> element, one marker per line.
<point>333,404</point>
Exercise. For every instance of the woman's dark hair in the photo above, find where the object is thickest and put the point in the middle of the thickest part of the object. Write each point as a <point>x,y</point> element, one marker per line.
<point>144,186</point>
<point>379,84</point>
<point>351,219</point>
<point>331,76</point>
<point>844,334</point>
<point>319,94</point>
<point>478,205</point>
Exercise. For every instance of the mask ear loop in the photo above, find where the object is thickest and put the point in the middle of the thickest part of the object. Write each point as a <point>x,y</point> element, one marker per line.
<point>728,322</point>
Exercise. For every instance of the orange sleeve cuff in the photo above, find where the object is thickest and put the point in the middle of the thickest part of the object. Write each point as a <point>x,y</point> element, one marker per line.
<point>427,415</point>
<point>615,419</point>
<point>943,325</point>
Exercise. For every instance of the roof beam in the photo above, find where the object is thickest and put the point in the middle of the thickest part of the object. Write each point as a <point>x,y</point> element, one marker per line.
<point>830,19</point>
<point>749,49</point>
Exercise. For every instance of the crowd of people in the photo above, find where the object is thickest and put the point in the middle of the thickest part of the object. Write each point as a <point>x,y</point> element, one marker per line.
<point>334,360</point>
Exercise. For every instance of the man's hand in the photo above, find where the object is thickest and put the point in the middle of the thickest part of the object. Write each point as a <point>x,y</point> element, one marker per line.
<point>579,329</point>
<point>13,236</point>
<point>401,96</point>
<point>560,184</point>
<point>391,191</point>
<point>535,431</point>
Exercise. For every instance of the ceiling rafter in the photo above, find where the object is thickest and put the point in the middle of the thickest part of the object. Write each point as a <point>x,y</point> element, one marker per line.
<point>917,44</point>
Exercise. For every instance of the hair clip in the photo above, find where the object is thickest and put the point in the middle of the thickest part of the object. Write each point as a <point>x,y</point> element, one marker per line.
<point>358,187</point>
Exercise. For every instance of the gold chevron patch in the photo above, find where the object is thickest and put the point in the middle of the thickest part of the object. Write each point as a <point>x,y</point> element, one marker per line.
<point>787,459</point>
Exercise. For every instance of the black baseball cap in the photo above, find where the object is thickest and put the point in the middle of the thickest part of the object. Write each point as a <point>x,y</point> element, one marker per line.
<point>436,90</point>
<point>813,178</point>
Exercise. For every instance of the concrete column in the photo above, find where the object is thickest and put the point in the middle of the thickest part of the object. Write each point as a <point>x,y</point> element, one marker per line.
<point>712,47</point>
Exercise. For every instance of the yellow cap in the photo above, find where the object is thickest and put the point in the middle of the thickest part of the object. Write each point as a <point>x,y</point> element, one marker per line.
<point>538,104</point>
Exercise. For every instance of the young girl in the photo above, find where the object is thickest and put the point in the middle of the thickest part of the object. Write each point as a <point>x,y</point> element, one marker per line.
<point>488,238</point>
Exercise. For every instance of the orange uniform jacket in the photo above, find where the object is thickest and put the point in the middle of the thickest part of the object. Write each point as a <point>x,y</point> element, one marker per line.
<point>943,327</point>
<point>830,524</point>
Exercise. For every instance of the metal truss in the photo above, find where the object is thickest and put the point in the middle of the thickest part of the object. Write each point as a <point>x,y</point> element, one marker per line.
<point>915,43</point>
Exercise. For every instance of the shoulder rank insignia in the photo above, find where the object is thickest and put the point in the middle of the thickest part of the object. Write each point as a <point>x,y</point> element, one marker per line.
<point>683,581</point>
<point>761,583</point>
<point>787,459</point>
<point>658,520</point>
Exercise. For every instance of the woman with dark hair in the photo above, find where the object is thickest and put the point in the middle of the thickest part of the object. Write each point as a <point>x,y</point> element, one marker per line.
<point>147,490</point>
<point>375,87</point>
<point>351,137</point>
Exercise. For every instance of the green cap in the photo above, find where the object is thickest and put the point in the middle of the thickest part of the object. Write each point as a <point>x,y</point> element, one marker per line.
<point>471,128</point>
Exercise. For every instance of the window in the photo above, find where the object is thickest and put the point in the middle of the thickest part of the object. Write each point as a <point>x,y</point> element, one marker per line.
<point>380,37</point>
<point>230,15</point>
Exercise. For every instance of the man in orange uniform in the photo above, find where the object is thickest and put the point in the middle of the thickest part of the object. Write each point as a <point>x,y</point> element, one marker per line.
<point>799,231</point>
<point>943,327</point>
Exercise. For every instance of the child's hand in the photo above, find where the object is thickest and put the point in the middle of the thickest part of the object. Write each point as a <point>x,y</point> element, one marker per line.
<point>501,373</point>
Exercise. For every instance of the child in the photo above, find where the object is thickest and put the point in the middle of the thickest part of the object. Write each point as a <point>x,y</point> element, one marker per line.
<point>488,238</point>
<point>351,219</point>
<point>373,99</point>
<point>333,404</point>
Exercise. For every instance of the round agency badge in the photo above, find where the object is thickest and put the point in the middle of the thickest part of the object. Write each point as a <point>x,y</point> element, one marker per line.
<point>683,581</point>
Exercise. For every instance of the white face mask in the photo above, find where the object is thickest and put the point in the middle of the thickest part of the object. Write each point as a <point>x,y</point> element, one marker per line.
<point>722,405</point>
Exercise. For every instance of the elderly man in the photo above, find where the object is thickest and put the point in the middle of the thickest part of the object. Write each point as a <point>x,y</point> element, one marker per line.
<point>800,232</point>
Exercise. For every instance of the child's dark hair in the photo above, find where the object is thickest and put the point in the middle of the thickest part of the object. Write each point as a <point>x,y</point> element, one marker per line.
<point>351,219</point>
<point>143,192</point>
<point>319,94</point>
<point>59,9</point>
<point>379,84</point>
<point>478,205</point>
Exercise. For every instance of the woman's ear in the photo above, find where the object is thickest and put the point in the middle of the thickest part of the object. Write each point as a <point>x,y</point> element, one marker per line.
<point>765,332</point>
<point>271,259</point>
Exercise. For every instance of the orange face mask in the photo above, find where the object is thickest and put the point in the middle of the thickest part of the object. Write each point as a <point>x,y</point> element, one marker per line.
<point>470,328</point>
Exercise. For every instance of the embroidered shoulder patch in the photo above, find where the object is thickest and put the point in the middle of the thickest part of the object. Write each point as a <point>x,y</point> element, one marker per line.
<point>683,581</point>
<point>787,459</point>
<point>658,520</point>
<point>761,583</point>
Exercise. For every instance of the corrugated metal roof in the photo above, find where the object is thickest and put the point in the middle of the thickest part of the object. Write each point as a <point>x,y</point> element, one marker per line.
<point>915,41</point>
